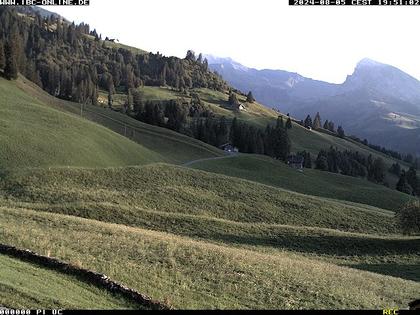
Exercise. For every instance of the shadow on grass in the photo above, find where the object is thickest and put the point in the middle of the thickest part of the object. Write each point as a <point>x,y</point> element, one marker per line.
<point>307,241</point>
<point>408,272</point>
<point>326,244</point>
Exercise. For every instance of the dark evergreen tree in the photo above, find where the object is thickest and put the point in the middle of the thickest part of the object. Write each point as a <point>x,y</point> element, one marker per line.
<point>331,126</point>
<point>317,122</point>
<point>11,66</point>
<point>409,158</point>
<point>395,169</point>
<point>129,103</point>
<point>233,100</point>
<point>326,124</point>
<point>408,218</point>
<point>378,170</point>
<point>2,55</point>
<point>403,185</point>
<point>250,98</point>
<point>307,160</point>
<point>308,122</point>
<point>110,99</point>
<point>138,105</point>
<point>413,180</point>
<point>190,56</point>
<point>177,115</point>
<point>280,122</point>
<point>288,123</point>
<point>340,132</point>
<point>233,133</point>
<point>221,132</point>
<point>416,163</point>
<point>159,117</point>
<point>147,115</point>
<point>321,162</point>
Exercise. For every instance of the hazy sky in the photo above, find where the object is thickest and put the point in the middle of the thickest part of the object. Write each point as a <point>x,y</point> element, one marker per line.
<point>323,43</point>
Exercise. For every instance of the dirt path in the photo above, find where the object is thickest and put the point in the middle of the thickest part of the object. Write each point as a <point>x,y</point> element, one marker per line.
<point>231,155</point>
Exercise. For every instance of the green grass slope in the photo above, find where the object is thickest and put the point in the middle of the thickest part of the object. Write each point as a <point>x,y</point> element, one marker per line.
<point>171,147</point>
<point>191,274</point>
<point>24,285</point>
<point>35,135</point>
<point>177,190</point>
<point>265,170</point>
<point>222,210</point>
<point>177,148</point>
<point>259,115</point>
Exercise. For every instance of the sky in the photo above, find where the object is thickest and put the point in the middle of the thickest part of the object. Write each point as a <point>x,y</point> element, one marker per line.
<point>323,43</point>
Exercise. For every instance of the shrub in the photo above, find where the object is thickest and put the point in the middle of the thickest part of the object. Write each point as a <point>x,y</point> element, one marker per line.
<point>409,218</point>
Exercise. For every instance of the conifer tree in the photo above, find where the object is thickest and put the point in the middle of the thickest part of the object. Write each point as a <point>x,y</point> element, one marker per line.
<point>280,122</point>
<point>317,122</point>
<point>308,122</point>
<point>321,162</point>
<point>2,56</point>
<point>413,181</point>
<point>233,134</point>
<point>395,169</point>
<point>340,132</point>
<point>11,66</point>
<point>137,101</point>
<point>250,98</point>
<point>408,218</point>
<point>289,123</point>
<point>378,170</point>
<point>110,99</point>
<point>307,160</point>
<point>233,100</point>
<point>403,185</point>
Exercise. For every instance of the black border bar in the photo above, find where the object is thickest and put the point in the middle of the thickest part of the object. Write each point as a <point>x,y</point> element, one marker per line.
<point>44,2</point>
<point>354,3</point>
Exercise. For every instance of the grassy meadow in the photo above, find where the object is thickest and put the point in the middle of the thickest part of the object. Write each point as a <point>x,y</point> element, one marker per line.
<point>178,190</point>
<point>25,285</point>
<point>35,135</point>
<point>195,274</point>
<point>267,171</point>
<point>167,146</point>
<point>98,189</point>
<point>221,210</point>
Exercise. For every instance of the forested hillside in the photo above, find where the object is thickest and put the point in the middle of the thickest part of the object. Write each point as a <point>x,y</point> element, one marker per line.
<point>139,167</point>
<point>73,62</point>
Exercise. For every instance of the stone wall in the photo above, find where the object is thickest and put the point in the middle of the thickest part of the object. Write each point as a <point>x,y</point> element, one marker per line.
<point>98,279</point>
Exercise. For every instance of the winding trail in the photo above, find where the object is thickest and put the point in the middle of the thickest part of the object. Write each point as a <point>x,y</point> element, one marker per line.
<point>230,155</point>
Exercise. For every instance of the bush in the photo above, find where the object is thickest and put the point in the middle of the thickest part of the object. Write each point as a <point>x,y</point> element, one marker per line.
<point>409,218</point>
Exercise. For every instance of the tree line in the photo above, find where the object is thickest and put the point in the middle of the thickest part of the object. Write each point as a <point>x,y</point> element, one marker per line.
<point>408,158</point>
<point>73,62</point>
<point>316,124</point>
<point>194,119</point>
<point>408,182</point>
<point>351,163</point>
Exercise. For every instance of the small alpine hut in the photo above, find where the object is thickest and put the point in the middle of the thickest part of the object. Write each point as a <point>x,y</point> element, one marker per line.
<point>227,147</point>
<point>295,161</point>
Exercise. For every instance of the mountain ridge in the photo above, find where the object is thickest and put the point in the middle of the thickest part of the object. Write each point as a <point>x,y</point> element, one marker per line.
<point>375,99</point>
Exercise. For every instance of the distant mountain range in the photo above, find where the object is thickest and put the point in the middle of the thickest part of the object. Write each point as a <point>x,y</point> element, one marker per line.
<point>31,9</point>
<point>378,101</point>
